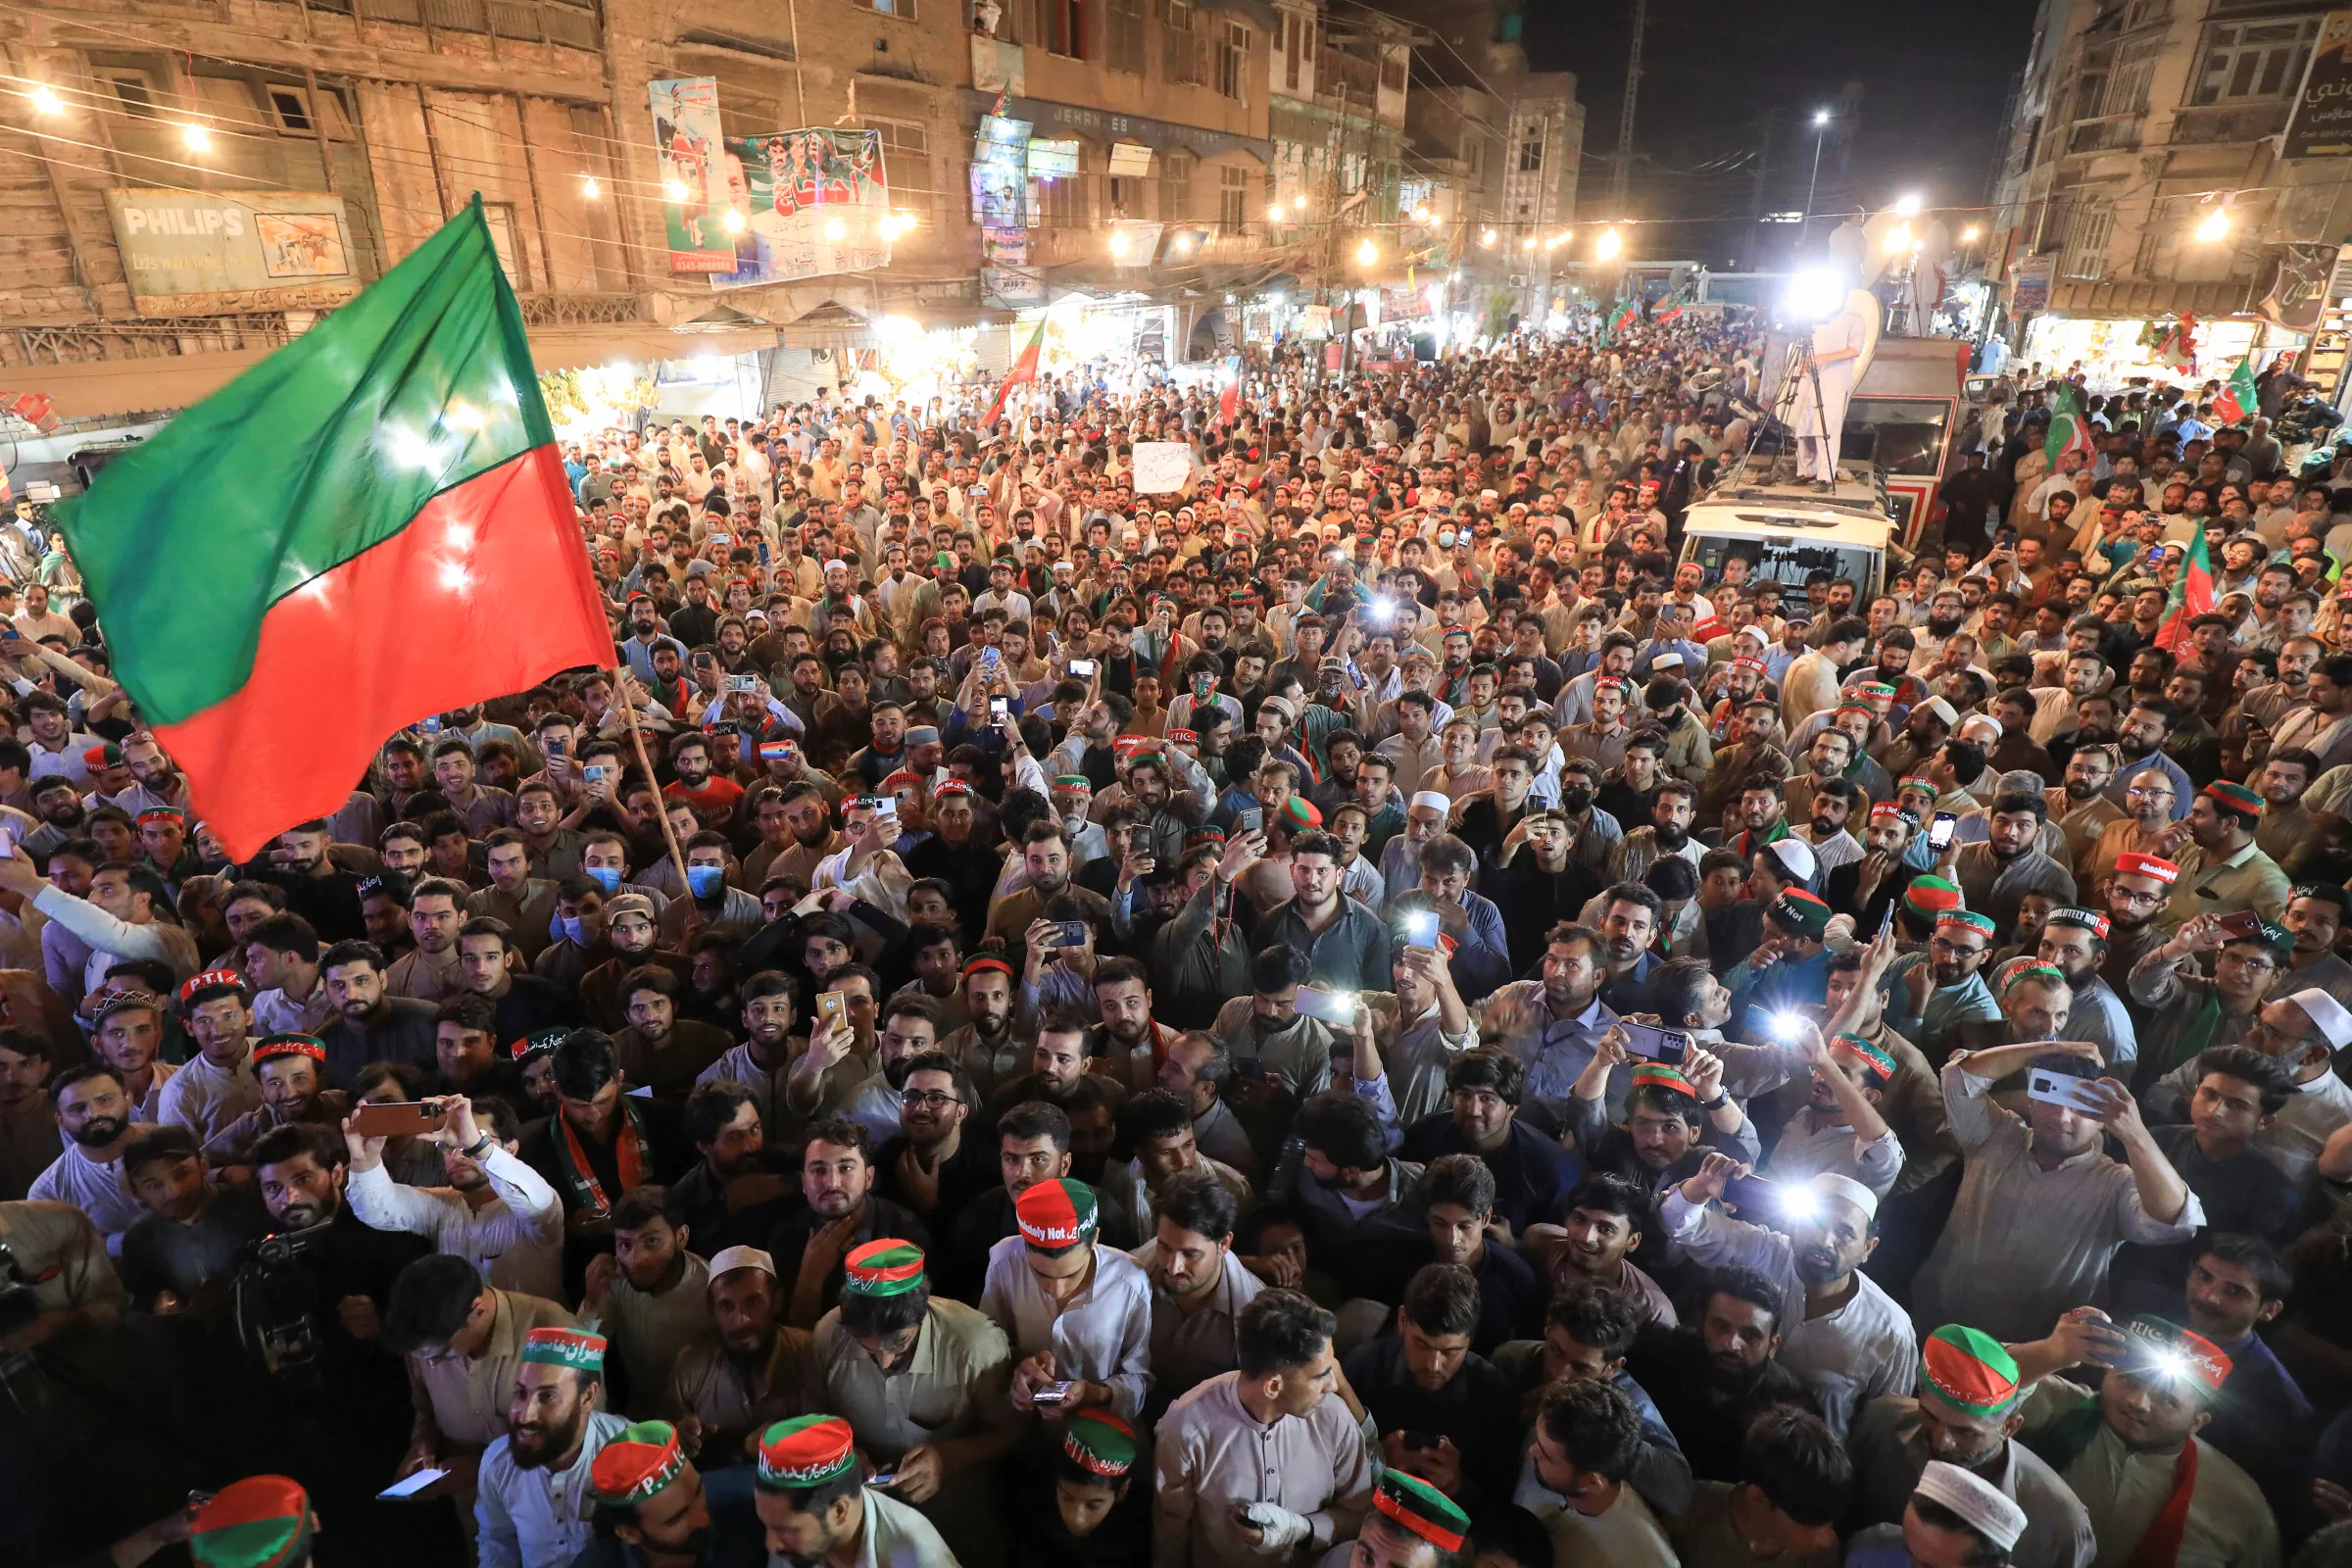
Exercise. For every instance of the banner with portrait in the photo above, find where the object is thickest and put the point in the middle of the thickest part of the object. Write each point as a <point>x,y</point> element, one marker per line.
<point>695,185</point>
<point>818,203</point>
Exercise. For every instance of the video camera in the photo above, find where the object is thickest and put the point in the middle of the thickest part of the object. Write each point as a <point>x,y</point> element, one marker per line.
<point>276,1300</point>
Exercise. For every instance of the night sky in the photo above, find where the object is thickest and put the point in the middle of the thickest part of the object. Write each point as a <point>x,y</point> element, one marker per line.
<point>1934,79</point>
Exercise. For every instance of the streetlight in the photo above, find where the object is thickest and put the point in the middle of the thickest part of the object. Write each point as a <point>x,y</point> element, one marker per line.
<point>1907,205</point>
<point>1608,245</point>
<point>2215,227</point>
<point>590,189</point>
<point>1487,239</point>
<point>1367,253</point>
<point>1274,214</point>
<point>199,139</point>
<point>46,101</point>
<point>1821,133</point>
<point>1968,235</point>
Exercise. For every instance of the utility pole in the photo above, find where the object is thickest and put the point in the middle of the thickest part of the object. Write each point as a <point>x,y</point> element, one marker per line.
<point>1755,195</point>
<point>1625,121</point>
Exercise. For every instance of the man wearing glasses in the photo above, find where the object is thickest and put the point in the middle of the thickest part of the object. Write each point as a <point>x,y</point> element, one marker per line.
<point>2187,1013</point>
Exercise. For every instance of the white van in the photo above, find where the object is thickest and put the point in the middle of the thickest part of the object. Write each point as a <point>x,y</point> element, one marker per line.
<point>1787,528</point>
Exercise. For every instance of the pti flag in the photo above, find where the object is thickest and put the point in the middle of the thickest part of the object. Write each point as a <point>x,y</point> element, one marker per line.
<point>2068,430</point>
<point>2193,594</point>
<point>1625,315</point>
<point>2237,399</point>
<point>1023,371</point>
<point>371,525</point>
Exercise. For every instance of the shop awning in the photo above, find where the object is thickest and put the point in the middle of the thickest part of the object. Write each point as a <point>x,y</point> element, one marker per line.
<point>105,388</point>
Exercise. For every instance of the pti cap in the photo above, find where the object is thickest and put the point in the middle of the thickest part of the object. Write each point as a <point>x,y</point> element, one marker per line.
<point>1421,1509</point>
<point>1056,1213</point>
<point>805,1451</point>
<point>1876,1059</point>
<point>1987,1509</point>
<point>636,1462</point>
<point>1101,1443</point>
<point>2133,863</point>
<point>1300,813</point>
<point>1970,1371</point>
<point>2090,920</point>
<point>2021,969</point>
<point>1966,917</point>
<point>106,755</point>
<point>886,1267</point>
<point>270,1047</point>
<point>2157,1345</point>
<point>1657,1076</point>
<point>571,1347</point>
<point>258,1522</point>
<point>2232,797</point>
<point>208,982</point>
<point>1802,911</point>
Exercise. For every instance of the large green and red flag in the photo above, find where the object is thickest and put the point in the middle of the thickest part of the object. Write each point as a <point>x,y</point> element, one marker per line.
<point>1024,370</point>
<point>2068,430</point>
<point>2238,400</point>
<point>2193,595</point>
<point>371,524</point>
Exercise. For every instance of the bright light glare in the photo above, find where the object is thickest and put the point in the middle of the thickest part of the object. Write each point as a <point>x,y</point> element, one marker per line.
<point>1118,242</point>
<point>1274,214</point>
<point>1968,235</point>
<point>1799,1202</point>
<point>1788,1025</point>
<point>834,229</point>
<point>1898,238</point>
<point>676,190</point>
<point>199,139</point>
<point>1907,205</point>
<point>1815,294</point>
<point>46,101</point>
<point>1528,244</point>
<point>732,222</point>
<point>2214,226</point>
<point>1608,245</point>
<point>1367,253</point>
<point>590,189</point>
<point>897,328</point>
<point>1299,204</point>
<point>1486,238</point>
<point>1821,117</point>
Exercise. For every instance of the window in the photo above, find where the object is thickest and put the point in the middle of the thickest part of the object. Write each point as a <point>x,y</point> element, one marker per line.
<point>2128,87</point>
<point>1175,187</point>
<point>903,9</point>
<point>1183,50</point>
<point>1123,36</point>
<point>292,112</point>
<point>500,217</point>
<point>2253,60</point>
<point>1233,63</point>
<point>1126,193</point>
<point>1066,28</point>
<point>907,162</point>
<point>1232,200</point>
<point>1531,150</point>
<point>1391,72</point>
<point>2088,229</point>
<point>1294,36</point>
<point>135,93</point>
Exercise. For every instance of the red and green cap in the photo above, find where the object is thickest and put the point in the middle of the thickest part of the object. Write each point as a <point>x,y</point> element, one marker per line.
<point>270,1047</point>
<point>636,1464</point>
<point>210,984</point>
<point>886,1267</point>
<point>2090,920</point>
<point>1100,1443</point>
<point>163,814</point>
<point>1300,815</point>
<point>1421,1509</point>
<point>572,1347</point>
<point>258,1522</point>
<point>1877,1062</point>
<point>2023,968</point>
<point>1966,917</point>
<point>1931,894</point>
<point>1056,1213</point>
<point>1657,1076</point>
<point>1801,910</point>
<point>1969,1370</point>
<point>2155,1345</point>
<point>807,1451</point>
<point>2234,797</point>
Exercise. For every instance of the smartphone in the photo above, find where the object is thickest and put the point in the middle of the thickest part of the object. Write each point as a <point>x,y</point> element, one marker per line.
<point>1652,1044</point>
<point>553,745</point>
<point>1887,924</point>
<point>2063,1089</point>
<point>742,683</point>
<point>406,1487</point>
<point>1250,1067</point>
<point>1538,801</point>
<point>409,1117</point>
<point>990,658</point>
<point>774,751</point>
<point>996,707</point>
<point>1421,929</point>
<point>8,843</point>
<point>2241,924</point>
<point>883,1481</point>
<point>1251,820</point>
<point>595,772</point>
<point>1051,1393</point>
<point>1069,934</point>
<point>834,1008</point>
<point>1939,837</point>
<point>1331,1007</point>
<point>1757,1198</point>
<point>432,727</point>
<point>1082,669</point>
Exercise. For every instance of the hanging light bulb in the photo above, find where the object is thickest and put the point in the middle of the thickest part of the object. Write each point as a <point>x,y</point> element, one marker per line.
<point>199,139</point>
<point>2216,226</point>
<point>1607,247</point>
<point>1486,238</point>
<point>46,101</point>
<point>590,189</point>
<point>676,190</point>
<point>731,220</point>
<point>1367,253</point>
<point>1274,214</point>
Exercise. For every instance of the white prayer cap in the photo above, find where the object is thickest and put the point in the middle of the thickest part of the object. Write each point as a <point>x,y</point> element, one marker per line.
<point>1435,799</point>
<point>837,566</point>
<point>1829,1184</point>
<point>1986,1507</point>
<point>1976,724</point>
<point>2326,1014</point>
<point>1942,709</point>
<point>1795,855</point>
<point>734,1257</point>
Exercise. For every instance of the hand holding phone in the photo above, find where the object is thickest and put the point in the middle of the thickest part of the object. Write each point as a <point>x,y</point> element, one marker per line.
<point>1666,1046</point>
<point>406,1487</point>
<point>2065,1089</point>
<point>412,1118</point>
<point>1939,837</point>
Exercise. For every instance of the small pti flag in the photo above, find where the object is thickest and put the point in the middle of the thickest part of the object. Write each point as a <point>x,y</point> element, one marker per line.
<point>1229,401</point>
<point>1023,371</point>
<point>2237,399</point>
<point>1625,315</point>
<point>2068,430</point>
<point>2193,595</point>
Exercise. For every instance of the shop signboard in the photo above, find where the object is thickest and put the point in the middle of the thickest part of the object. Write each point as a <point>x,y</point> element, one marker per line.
<point>1013,288</point>
<point>1132,243</point>
<point>1004,247</point>
<point>1052,159</point>
<point>818,203</point>
<point>696,188</point>
<point>1161,467</point>
<point>1130,158</point>
<point>181,247</point>
<point>2320,125</point>
<point>2030,284</point>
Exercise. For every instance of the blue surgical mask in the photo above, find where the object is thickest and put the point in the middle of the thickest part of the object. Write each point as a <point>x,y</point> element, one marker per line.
<point>573,932</point>
<point>603,876</point>
<point>705,881</point>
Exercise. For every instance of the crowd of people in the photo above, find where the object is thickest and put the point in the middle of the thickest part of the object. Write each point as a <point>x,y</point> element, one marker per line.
<point>1359,1012</point>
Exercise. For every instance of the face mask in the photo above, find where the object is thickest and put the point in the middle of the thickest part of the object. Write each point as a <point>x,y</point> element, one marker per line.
<point>573,931</point>
<point>603,876</point>
<point>1574,797</point>
<point>1446,539</point>
<point>705,881</point>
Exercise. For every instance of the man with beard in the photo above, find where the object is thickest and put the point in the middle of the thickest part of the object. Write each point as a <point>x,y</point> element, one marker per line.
<point>2079,806</point>
<point>1667,831</point>
<point>654,1509</point>
<point>766,1000</point>
<point>58,804</point>
<point>986,1046</point>
<point>316,889</point>
<point>1711,1376</point>
<point>1199,1285</point>
<point>839,1212</point>
<point>2302,1032</point>
<point>290,1069</point>
<point>1867,886</point>
<point>1945,991</point>
<point>1763,815</point>
<point>1827,814</point>
<point>1967,1410</point>
<point>2120,1448</point>
<point>2074,941</point>
<point>94,1115</point>
<point>954,855</point>
<point>601,1143</point>
<point>2140,738</point>
<point>720,1386</point>
<point>2137,893</point>
<point>1851,1344</point>
<point>532,1508</point>
<point>1997,875</point>
<point>430,970</point>
<point>372,1025</point>
<point>2223,871</point>
<point>2286,822</point>
<point>1554,1024</point>
<point>193,1231</point>
<point>937,1163</point>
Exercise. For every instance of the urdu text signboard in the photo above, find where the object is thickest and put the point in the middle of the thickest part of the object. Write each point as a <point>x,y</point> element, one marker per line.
<point>193,250</point>
<point>2322,124</point>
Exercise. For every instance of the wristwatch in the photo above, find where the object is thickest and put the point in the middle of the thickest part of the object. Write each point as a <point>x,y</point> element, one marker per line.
<point>479,1148</point>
